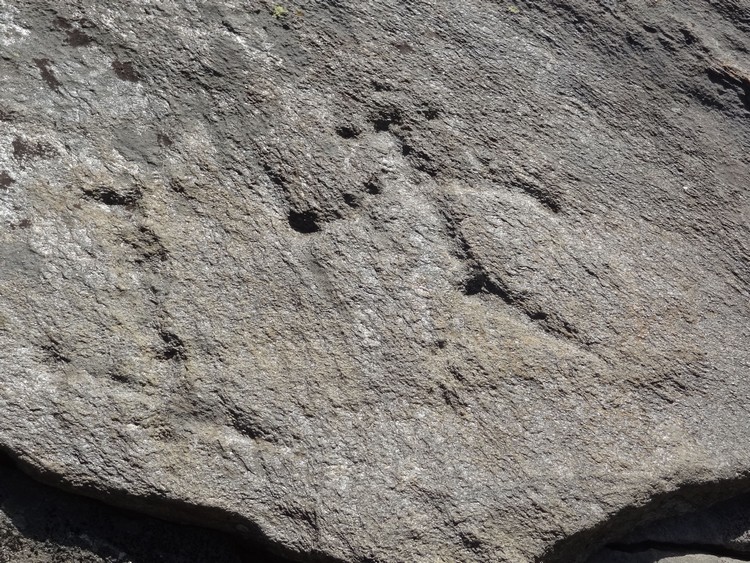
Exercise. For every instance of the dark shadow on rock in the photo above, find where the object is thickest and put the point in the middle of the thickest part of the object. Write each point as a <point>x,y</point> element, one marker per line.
<point>40,524</point>
<point>720,531</point>
<point>625,537</point>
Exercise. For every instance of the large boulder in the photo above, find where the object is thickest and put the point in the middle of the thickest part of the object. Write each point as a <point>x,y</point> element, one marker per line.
<point>379,281</point>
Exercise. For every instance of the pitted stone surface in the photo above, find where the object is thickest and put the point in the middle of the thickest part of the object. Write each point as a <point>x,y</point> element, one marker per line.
<point>378,281</point>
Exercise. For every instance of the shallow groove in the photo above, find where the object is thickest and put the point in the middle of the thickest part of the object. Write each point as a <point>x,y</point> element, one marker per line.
<point>539,194</point>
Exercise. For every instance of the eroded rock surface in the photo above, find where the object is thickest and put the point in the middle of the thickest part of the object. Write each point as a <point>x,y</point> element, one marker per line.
<point>379,281</point>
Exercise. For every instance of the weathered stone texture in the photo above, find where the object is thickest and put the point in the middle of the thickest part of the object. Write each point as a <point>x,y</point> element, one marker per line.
<point>379,281</point>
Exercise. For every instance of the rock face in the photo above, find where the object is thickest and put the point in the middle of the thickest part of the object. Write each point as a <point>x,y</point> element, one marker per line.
<point>379,281</point>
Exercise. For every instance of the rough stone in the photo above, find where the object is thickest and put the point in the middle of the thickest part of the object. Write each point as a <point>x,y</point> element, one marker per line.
<point>379,281</point>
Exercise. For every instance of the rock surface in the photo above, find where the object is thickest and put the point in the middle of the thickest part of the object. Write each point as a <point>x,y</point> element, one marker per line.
<point>379,281</point>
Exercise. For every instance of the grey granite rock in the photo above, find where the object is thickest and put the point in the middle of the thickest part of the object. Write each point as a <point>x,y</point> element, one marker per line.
<point>379,281</point>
